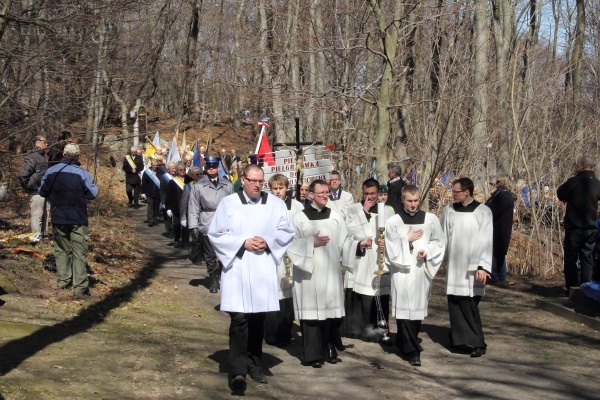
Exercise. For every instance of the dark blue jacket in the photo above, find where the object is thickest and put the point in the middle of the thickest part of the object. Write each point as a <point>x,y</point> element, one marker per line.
<point>68,187</point>
<point>502,204</point>
<point>148,187</point>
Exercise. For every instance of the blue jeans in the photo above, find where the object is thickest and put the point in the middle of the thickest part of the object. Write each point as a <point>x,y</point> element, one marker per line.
<point>498,274</point>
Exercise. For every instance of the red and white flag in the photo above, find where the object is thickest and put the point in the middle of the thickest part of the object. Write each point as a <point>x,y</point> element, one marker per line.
<point>263,148</point>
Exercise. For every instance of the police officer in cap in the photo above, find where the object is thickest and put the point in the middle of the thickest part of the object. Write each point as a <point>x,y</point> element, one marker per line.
<point>205,196</point>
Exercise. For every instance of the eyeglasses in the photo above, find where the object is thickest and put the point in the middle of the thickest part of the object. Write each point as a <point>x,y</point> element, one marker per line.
<point>458,191</point>
<point>209,166</point>
<point>259,181</point>
<point>181,169</point>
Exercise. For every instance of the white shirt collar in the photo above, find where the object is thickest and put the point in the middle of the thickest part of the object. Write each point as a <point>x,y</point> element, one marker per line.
<point>250,200</point>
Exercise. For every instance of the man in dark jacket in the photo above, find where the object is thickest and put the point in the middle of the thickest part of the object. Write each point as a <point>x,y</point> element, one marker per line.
<point>502,204</point>
<point>133,164</point>
<point>167,174</point>
<point>581,193</point>
<point>56,150</point>
<point>395,185</point>
<point>68,187</point>
<point>151,188</point>
<point>33,170</point>
<point>172,200</point>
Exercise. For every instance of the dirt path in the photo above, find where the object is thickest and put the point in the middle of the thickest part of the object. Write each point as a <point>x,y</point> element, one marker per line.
<point>162,337</point>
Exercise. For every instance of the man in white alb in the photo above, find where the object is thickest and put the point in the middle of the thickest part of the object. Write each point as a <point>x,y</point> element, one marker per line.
<point>414,246</point>
<point>467,225</point>
<point>318,298</point>
<point>250,233</point>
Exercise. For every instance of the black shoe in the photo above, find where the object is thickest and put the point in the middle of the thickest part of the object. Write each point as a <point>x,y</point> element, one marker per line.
<point>258,377</point>
<point>385,340</point>
<point>145,222</point>
<point>238,383</point>
<point>214,285</point>
<point>150,225</point>
<point>478,352</point>
<point>316,364</point>
<point>340,346</point>
<point>415,361</point>
<point>178,245</point>
<point>331,355</point>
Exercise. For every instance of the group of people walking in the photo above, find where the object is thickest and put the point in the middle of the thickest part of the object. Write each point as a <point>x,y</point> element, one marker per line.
<point>337,266</point>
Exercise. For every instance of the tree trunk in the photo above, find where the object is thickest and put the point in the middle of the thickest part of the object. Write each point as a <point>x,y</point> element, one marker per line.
<point>502,23</point>
<point>238,57</point>
<point>480,105</point>
<point>577,57</point>
<point>389,36</point>
<point>190,57</point>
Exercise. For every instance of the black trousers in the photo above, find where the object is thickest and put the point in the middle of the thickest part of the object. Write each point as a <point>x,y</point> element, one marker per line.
<point>176,227</point>
<point>407,338</point>
<point>278,324</point>
<point>133,193</point>
<point>579,245</point>
<point>197,250</point>
<point>368,309</point>
<point>246,333</point>
<point>213,266</point>
<point>152,209</point>
<point>185,235</point>
<point>465,321</point>
<point>316,335</point>
<point>168,223</point>
<point>352,323</point>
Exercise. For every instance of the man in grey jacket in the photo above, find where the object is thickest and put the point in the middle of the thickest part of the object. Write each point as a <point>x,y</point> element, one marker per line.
<point>205,196</point>
<point>33,170</point>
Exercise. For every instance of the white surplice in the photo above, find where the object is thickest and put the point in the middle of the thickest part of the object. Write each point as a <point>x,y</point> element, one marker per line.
<point>249,284</point>
<point>285,286</point>
<point>411,276</point>
<point>363,268</point>
<point>469,240</point>
<point>342,203</point>
<point>317,289</point>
